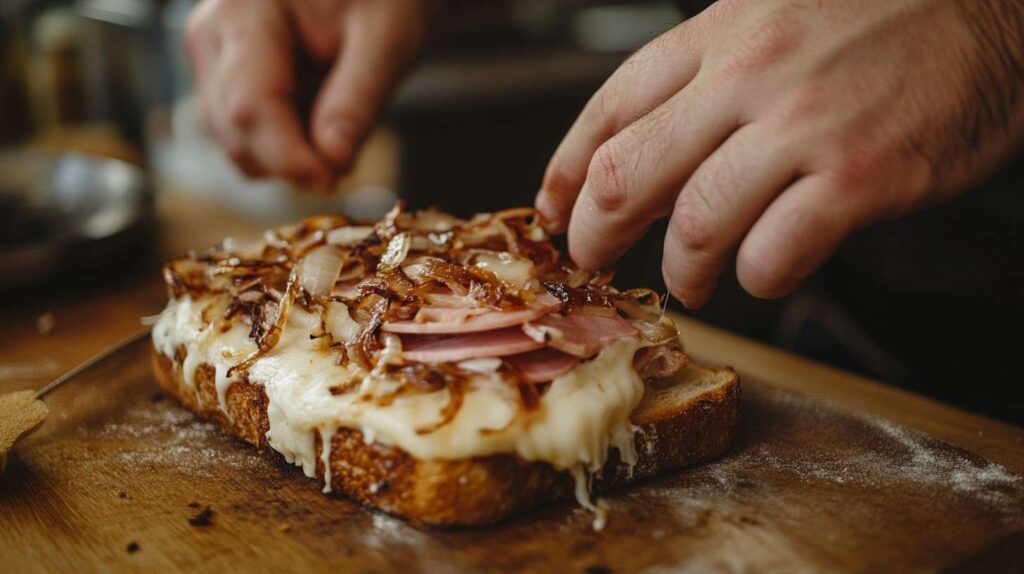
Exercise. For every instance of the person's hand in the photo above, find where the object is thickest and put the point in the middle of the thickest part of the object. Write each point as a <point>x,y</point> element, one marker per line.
<point>779,126</point>
<point>244,54</point>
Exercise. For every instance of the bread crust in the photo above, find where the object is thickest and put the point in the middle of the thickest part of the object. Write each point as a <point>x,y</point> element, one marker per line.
<point>480,490</point>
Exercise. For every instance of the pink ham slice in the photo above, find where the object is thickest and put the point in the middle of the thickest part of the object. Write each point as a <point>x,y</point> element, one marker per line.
<point>542,365</point>
<point>498,343</point>
<point>456,320</point>
<point>579,334</point>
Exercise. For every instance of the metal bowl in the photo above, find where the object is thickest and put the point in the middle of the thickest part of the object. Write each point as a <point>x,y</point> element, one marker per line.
<point>68,212</point>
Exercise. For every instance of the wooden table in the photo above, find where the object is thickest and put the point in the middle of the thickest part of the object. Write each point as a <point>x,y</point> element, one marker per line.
<point>830,472</point>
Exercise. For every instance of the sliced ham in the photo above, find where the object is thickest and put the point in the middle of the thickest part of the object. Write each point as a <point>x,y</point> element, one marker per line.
<point>440,320</point>
<point>542,365</point>
<point>579,334</point>
<point>499,343</point>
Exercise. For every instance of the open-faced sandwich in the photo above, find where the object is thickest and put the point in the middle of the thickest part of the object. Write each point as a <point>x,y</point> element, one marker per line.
<point>445,370</point>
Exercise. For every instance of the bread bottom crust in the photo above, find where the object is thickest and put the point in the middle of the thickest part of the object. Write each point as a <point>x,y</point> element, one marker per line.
<point>479,490</point>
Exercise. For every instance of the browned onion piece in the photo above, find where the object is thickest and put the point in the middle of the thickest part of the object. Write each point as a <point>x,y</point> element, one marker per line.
<point>401,265</point>
<point>656,332</point>
<point>515,212</point>
<point>397,250</point>
<point>270,339</point>
<point>319,269</point>
<point>368,341</point>
<point>635,310</point>
<point>659,362</point>
<point>456,394</point>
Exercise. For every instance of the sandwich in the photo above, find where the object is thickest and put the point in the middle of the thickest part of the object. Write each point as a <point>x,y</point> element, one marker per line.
<point>449,371</point>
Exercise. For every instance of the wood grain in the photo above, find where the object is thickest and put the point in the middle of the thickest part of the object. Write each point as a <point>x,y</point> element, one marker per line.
<point>830,472</point>
<point>807,486</point>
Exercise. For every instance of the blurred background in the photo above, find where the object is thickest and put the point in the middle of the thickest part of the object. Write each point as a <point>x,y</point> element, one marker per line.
<point>105,170</point>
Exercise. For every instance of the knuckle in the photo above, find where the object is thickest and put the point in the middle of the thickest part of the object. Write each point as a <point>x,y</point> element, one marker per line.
<point>809,100</point>
<point>856,162</point>
<point>770,41</point>
<point>711,185</point>
<point>606,179</point>
<point>693,231</point>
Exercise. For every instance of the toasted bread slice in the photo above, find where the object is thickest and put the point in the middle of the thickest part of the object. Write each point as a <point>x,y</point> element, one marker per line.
<point>683,422</point>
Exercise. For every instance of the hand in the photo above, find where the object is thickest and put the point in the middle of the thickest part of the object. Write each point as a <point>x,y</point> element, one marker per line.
<point>780,126</point>
<point>243,52</point>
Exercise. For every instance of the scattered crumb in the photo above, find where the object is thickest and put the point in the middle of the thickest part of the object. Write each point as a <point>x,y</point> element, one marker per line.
<point>45,323</point>
<point>379,486</point>
<point>132,547</point>
<point>194,504</point>
<point>122,494</point>
<point>204,518</point>
<point>284,527</point>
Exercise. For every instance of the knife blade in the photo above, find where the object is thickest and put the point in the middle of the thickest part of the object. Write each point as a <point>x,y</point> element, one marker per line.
<point>21,412</point>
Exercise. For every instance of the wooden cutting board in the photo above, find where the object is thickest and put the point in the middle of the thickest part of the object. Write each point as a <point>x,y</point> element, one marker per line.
<point>120,477</point>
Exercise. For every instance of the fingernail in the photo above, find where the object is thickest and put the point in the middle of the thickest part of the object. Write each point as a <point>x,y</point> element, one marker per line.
<point>548,214</point>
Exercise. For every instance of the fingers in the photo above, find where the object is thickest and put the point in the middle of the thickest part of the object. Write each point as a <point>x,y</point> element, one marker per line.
<point>717,207</point>
<point>634,178</point>
<point>797,233</point>
<point>641,84</point>
<point>244,70</point>
<point>378,44</point>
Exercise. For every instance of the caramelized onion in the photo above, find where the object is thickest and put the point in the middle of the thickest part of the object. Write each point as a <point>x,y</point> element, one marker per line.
<point>656,332</point>
<point>397,250</point>
<point>659,361</point>
<point>633,310</point>
<point>319,269</point>
<point>349,235</point>
<point>456,394</point>
<point>339,323</point>
<point>268,340</point>
<point>355,277</point>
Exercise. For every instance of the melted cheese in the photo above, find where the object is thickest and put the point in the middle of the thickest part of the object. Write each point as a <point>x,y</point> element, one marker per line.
<point>511,269</point>
<point>584,412</point>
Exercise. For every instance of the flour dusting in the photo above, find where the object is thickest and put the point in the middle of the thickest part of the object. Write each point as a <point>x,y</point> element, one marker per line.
<point>167,435</point>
